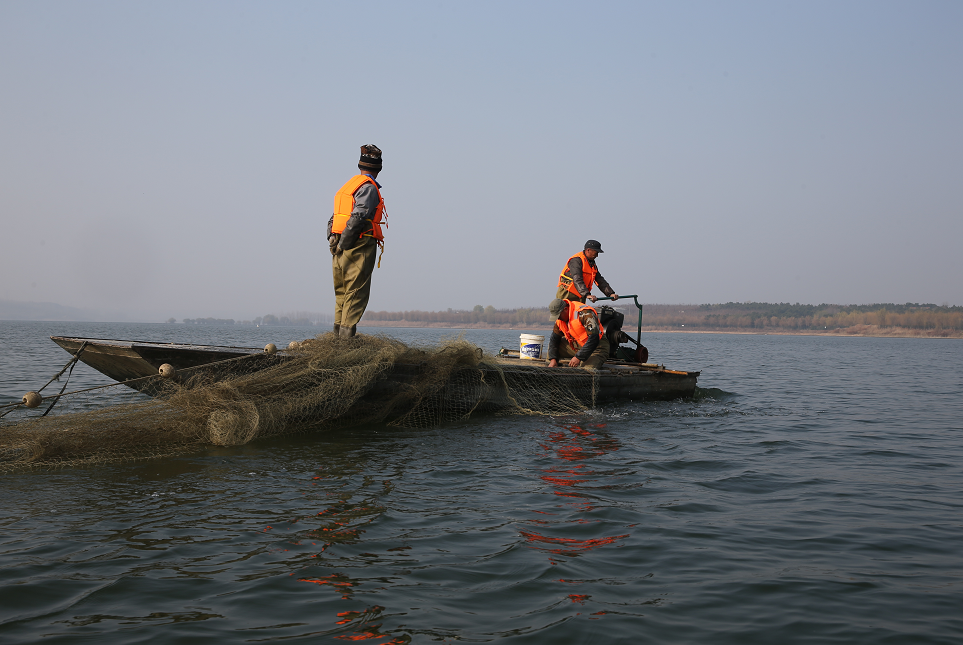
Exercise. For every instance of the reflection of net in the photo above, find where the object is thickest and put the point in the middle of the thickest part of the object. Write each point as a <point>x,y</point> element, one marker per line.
<point>327,382</point>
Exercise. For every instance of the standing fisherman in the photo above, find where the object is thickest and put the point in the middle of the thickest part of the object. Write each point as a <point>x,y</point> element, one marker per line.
<point>354,235</point>
<point>580,273</point>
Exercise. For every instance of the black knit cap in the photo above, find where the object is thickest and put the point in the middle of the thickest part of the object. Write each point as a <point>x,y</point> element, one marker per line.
<point>370,157</point>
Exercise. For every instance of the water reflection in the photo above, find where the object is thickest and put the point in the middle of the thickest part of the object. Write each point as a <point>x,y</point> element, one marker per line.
<point>571,445</point>
<point>364,629</point>
<point>348,506</point>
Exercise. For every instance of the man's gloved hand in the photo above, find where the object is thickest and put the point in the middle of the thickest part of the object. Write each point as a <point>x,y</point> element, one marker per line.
<point>333,240</point>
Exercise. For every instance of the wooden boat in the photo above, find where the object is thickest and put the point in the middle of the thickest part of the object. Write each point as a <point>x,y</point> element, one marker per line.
<point>618,380</point>
<point>131,361</point>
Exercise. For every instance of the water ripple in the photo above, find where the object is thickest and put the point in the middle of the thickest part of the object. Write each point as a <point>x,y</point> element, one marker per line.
<point>797,501</point>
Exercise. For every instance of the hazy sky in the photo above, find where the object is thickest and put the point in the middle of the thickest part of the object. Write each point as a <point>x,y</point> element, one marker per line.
<point>180,158</point>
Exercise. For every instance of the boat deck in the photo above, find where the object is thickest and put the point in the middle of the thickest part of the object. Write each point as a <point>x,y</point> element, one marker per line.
<point>124,360</point>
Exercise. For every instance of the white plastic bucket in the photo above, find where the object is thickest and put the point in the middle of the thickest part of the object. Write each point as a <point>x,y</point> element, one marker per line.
<point>530,346</point>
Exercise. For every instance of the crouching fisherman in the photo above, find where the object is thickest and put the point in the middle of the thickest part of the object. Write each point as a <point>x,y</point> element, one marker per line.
<point>577,335</point>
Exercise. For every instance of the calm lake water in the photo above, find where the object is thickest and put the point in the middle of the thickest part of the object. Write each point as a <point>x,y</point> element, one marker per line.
<point>812,493</point>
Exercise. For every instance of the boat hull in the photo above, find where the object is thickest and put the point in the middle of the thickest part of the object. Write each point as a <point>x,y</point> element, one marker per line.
<point>130,362</point>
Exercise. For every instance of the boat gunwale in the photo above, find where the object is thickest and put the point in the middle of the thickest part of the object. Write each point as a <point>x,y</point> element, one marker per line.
<point>503,362</point>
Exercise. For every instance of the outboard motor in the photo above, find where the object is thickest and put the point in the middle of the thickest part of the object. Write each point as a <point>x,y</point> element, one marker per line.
<point>611,321</point>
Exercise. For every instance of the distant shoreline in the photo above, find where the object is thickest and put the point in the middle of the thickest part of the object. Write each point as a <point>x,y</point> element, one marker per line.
<point>858,331</point>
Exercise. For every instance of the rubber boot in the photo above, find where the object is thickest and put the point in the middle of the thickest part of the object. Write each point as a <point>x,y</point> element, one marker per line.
<point>347,332</point>
<point>337,328</point>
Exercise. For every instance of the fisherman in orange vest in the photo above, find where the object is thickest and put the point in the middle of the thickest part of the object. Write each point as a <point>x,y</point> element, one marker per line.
<point>580,273</point>
<point>577,335</point>
<point>354,236</point>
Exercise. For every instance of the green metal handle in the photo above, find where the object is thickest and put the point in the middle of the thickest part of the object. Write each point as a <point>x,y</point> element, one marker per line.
<point>635,299</point>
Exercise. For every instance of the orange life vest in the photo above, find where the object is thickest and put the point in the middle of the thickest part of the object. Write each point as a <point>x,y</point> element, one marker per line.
<point>573,329</point>
<point>588,275</point>
<point>344,205</point>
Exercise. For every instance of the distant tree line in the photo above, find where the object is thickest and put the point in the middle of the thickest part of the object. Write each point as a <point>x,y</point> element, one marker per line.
<point>479,314</point>
<point>731,316</point>
<point>786,316</point>
<point>208,321</point>
<point>296,319</point>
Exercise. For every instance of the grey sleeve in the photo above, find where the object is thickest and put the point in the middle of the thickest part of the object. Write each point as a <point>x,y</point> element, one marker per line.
<point>365,204</point>
<point>575,270</point>
<point>553,342</point>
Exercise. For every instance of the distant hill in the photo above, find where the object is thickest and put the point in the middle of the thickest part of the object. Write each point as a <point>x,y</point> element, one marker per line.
<point>13,310</point>
<point>885,319</point>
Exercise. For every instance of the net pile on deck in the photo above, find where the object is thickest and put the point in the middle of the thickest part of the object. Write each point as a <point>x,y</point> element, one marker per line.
<point>324,382</point>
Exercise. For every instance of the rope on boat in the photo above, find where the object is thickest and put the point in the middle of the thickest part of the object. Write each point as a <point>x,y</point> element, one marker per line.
<point>73,361</point>
<point>71,364</point>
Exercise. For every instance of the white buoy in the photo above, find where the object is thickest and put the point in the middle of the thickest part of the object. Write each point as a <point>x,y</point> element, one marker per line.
<point>294,344</point>
<point>167,370</point>
<point>271,349</point>
<point>32,399</point>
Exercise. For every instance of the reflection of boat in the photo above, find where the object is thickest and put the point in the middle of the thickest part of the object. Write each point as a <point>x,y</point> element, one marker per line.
<point>132,362</point>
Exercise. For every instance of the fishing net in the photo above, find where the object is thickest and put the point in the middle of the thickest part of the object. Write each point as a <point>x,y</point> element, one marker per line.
<point>323,383</point>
